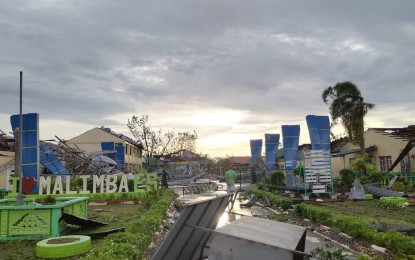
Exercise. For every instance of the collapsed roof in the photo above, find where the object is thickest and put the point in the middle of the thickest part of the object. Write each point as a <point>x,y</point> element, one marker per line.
<point>121,136</point>
<point>180,156</point>
<point>406,133</point>
<point>74,160</point>
<point>79,161</point>
<point>6,142</point>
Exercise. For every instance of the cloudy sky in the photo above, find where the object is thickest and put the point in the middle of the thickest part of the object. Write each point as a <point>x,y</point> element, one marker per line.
<point>230,70</point>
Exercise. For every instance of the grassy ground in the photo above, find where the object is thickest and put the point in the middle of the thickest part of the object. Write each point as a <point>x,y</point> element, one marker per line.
<point>116,215</point>
<point>372,212</point>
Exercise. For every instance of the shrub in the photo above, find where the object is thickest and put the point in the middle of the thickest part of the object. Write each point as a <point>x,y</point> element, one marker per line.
<point>76,183</point>
<point>277,200</point>
<point>138,235</point>
<point>377,176</point>
<point>363,164</point>
<point>279,217</point>
<point>263,184</point>
<point>347,177</point>
<point>277,178</point>
<point>364,179</point>
<point>352,226</point>
<point>327,252</point>
<point>398,186</point>
<point>393,202</point>
<point>315,214</point>
<point>299,171</point>
<point>46,200</point>
<point>118,246</point>
<point>395,241</point>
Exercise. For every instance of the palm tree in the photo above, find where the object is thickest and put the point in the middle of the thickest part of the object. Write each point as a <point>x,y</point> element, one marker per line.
<point>346,103</point>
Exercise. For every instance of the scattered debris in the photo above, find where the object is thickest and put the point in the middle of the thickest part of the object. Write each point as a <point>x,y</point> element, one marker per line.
<point>378,248</point>
<point>345,235</point>
<point>75,160</point>
<point>357,191</point>
<point>251,201</point>
<point>267,202</point>
<point>6,142</point>
<point>75,220</point>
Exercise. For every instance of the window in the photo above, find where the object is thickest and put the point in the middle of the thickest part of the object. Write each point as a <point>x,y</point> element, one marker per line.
<point>385,162</point>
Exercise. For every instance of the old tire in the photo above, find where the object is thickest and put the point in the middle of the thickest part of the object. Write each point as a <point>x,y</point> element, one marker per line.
<point>45,250</point>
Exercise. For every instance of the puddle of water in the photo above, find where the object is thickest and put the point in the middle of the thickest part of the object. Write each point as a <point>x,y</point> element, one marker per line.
<point>227,218</point>
<point>236,213</point>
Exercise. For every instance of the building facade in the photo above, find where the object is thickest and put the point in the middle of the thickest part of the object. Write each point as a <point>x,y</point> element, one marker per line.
<point>6,168</point>
<point>91,140</point>
<point>383,145</point>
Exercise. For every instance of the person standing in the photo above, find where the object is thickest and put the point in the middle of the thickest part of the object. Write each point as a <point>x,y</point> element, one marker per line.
<point>230,176</point>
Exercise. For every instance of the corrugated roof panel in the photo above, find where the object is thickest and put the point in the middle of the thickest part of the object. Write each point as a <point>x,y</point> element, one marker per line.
<point>184,240</point>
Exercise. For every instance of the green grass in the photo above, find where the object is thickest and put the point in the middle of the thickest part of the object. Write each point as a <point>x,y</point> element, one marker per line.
<point>123,214</point>
<point>116,215</point>
<point>372,211</point>
<point>353,218</point>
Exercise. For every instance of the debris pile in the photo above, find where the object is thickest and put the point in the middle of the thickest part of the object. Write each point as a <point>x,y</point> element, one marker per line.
<point>81,162</point>
<point>75,160</point>
<point>6,142</point>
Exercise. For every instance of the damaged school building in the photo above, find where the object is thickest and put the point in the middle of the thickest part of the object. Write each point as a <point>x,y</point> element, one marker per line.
<point>97,151</point>
<point>388,148</point>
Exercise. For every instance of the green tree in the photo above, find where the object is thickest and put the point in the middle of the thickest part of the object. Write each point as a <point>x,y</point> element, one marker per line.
<point>223,163</point>
<point>347,104</point>
<point>299,171</point>
<point>364,165</point>
<point>277,178</point>
<point>183,140</point>
<point>155,142</point>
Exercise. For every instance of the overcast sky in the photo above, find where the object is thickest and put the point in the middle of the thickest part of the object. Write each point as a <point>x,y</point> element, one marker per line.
<point>230,70</point>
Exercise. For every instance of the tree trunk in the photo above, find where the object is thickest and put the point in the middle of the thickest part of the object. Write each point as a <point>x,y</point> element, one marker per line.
<point>362,144</point>
<point>362,132</point>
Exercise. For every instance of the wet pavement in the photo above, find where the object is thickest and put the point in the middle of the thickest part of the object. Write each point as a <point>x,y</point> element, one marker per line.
<point>313,240</point>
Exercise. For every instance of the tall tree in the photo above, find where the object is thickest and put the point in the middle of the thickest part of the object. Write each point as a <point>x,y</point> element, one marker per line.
<point>155,142</point>
<point>347,104</point>
<point>183,141</point>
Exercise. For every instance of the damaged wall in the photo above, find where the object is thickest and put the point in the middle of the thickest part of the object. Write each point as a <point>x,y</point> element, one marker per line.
<point>6,168</point>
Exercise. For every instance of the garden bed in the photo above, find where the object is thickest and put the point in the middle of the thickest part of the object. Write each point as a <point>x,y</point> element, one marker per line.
<point>372,212</point>
<point>141,220</point>
<point>348,223</point>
